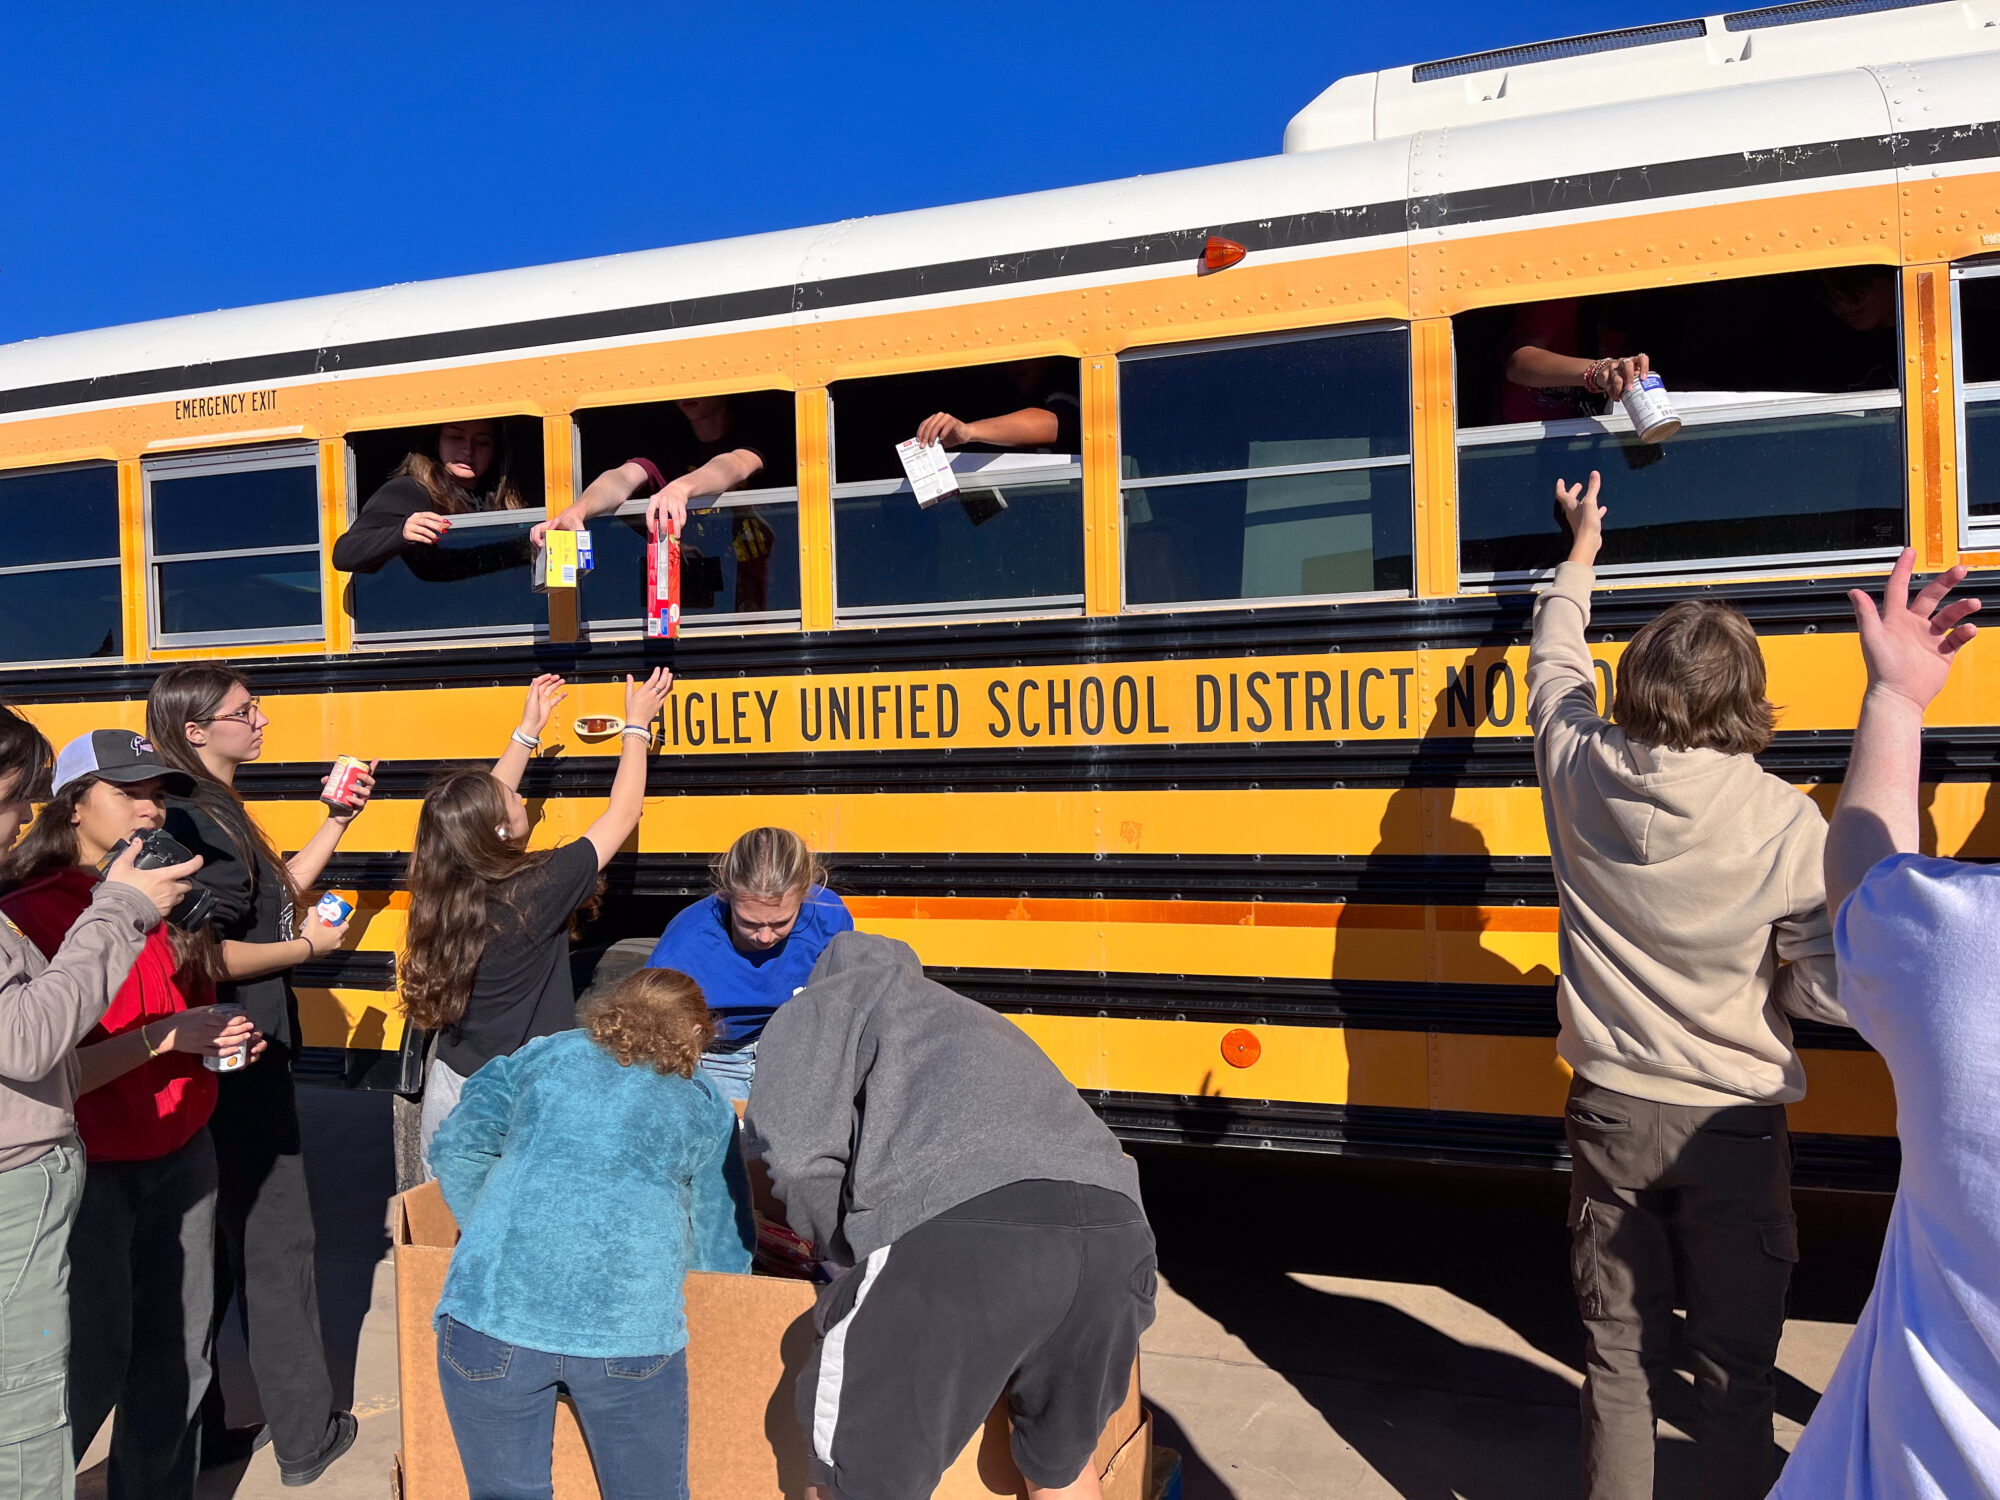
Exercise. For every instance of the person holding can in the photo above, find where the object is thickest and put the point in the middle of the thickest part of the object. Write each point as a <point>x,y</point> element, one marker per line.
<point>144,1234</point>
<point>207,723</point>
<point>485,956</point>
<point>46,1007</point>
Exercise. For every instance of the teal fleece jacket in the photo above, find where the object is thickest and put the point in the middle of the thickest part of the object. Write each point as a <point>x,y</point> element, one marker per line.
<point>584,1193</point>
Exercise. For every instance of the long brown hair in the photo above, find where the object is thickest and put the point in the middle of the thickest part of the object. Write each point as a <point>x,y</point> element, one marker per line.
<point>192,693</point>
<point>459,863</point>
<point>51,843</point>
<point>497,487</point>
<point>1693,678</point>
<point>25,752</point>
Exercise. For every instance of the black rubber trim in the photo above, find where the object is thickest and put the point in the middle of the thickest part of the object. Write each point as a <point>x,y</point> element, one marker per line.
<point>1775,607</point>
<point>1634,184</point>
<point>1853,1163</point>
<point>347,970</point>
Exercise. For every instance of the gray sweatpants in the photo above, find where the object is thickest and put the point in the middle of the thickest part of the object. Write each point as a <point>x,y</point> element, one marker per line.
<point>144,1250</point>
<point>37,1204</point>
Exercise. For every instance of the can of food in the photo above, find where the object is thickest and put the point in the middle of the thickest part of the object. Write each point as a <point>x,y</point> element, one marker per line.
<point>663,586</point>
<point>341,781</point>
<point>1653,416</point>
<point>229,1062</point>
<point>332,910</point>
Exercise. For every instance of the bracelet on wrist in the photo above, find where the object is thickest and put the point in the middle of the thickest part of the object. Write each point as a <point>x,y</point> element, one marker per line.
<point>146,1036</point>
<point>528,740</point>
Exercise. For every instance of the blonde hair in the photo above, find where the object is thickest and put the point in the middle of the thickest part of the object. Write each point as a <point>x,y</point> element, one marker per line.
<point>658,1016</point>
<point>1693,678</point>
<point>767,864</point>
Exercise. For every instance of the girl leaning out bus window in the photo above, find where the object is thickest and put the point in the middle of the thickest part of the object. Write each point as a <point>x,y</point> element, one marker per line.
<point>467,468</point>
<point>589,1172</point>
<point>142,1247</point>
<point>207,722</point>
<point>486,953</point>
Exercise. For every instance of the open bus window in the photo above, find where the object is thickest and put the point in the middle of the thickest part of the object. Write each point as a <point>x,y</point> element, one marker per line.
<point>233,545</point>
<point>1272,469</point>
<point>1790,448</point>
<point>1979,393</point>
<point>740,546</point>
<point>1012,539</point>
<point>59,576</point>
<point>437,535</point>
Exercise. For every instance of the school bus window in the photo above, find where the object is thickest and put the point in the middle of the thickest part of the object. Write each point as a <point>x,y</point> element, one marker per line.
<point>233,545</point>
<point>1789,448</point>
<point>732,461</point>
<point>59,578</point>
<point>438,543</point>
<point>1276,468</point>
<point>1010,539</point>
<point>1978,317</point>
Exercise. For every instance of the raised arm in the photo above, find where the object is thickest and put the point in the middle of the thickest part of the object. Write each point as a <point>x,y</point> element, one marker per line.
<point>628,788</point>
<point>1561,675</point>
<point>1030,427</point>
<point>668,509</point>
<point>544,694</point>
<point>1908,647</point>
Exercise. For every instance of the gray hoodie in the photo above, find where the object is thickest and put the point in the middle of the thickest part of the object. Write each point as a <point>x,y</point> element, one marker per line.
<point>883,1099</point>
<point>1693,906</point>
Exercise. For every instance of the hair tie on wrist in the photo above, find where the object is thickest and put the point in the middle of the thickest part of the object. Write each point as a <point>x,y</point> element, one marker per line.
<point>643,731</point>
<point>524,739</point>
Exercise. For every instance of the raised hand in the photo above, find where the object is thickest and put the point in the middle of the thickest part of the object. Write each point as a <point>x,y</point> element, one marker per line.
<point>1584,517</point>
<point>643,700</point>
<point>364,788</point>
<point>1908,644</point>
<point>545,693</point>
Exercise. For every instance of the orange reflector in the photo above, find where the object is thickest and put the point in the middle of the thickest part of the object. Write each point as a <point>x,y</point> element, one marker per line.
<point>1220,254</point>
<point>1241,1048</point>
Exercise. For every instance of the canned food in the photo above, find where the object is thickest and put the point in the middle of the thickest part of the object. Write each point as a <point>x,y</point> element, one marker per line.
<point>341,782</point>
<point>1653,416</point>
<point>332,910</point>
<point>233,1061</point>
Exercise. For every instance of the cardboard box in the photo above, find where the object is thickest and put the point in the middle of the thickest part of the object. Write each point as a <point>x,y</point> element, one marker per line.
<point>564,557</point>
<point>748,1338</point>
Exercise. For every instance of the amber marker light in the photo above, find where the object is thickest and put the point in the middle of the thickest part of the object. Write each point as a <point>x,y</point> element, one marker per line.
<point>597,726</point>
<point>1240,1048</point>
<point>1220,254</point>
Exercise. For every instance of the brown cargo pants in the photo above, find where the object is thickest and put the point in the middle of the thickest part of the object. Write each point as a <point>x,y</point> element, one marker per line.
<point>1690,1206</point>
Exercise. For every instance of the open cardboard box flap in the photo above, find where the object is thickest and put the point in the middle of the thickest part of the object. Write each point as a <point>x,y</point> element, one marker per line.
<point>748,1338</point>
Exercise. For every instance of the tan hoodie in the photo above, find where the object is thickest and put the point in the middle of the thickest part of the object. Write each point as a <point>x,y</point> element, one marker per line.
<point>1693,907</point>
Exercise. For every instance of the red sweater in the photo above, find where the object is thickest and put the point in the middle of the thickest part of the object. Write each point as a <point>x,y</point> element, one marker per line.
<point>156,1108</point>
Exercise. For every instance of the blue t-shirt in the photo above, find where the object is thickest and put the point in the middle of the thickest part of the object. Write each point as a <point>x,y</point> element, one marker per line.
<point>745,989</point>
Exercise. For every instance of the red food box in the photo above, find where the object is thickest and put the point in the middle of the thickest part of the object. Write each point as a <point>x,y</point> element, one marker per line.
<point>663,586</point>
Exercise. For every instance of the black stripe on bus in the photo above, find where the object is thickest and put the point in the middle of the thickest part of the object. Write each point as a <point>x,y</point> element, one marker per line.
<point>346,969</point>
<point>1722,172</point>
<point>1471,623</point>
<point>1850,1163</point>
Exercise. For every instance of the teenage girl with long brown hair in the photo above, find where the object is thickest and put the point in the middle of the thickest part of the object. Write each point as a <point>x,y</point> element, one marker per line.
<point>206,722</point>
<point>485,956</point>
<point>466,467</point>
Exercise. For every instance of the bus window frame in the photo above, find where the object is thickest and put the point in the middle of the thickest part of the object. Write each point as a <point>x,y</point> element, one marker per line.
<point>1805,404</point>
<point>116,561</point>
<point>471,635</point>
<point>1042,607</point>
<point>1406,460</point>
<point>748,620</point>
<point>259,458</point>
<point>1973,535</point>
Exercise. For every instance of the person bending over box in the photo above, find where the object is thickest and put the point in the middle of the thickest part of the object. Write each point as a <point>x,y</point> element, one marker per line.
<point>1693,921</point>
<point>989,1223</point>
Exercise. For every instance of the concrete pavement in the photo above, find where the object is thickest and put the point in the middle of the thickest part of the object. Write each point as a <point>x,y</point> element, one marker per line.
<point>1327,1328</point>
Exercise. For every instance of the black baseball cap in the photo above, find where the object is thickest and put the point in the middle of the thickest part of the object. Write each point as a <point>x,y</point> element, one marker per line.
<point>120,756</point>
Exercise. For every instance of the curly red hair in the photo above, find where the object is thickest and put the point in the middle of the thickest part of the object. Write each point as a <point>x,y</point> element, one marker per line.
<point>658,1016</point>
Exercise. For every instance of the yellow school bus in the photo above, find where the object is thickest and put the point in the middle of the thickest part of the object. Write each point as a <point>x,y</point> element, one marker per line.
<point>1197,748</point>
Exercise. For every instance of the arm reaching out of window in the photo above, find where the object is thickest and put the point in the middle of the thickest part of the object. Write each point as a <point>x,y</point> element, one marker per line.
<point>725,471</point>
<point>1030,427</point>
<point>606,492</point>
<point>1545,369</point>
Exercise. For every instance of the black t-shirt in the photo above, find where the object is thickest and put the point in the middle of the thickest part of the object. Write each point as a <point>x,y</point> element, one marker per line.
<point>377,536</point>
<point>522,988</point>
<point>244,915</point>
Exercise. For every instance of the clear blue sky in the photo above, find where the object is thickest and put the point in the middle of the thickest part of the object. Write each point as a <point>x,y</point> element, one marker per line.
<point>164,158</point>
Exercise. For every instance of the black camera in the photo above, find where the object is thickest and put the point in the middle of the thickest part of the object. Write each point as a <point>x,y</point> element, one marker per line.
<point>157,850</point>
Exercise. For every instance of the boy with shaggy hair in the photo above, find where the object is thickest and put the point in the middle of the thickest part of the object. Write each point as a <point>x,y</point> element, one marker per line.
<point>1693,922</point>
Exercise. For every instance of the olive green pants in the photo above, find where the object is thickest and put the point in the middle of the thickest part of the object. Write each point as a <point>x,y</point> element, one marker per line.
<point>38,1202</point>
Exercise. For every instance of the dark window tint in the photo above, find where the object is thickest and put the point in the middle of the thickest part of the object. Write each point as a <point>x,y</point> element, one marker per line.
<point>1979,329</point>
<point>740,559</point>
<point>893,552</point>
<point>1744,490</point>
<point>1343,532</point>
<point>1291,401</point>
<point>660,431</point>
<point>518,456</point>
<point>236,509</point>
<point>239,593</point>
<point>61,515</point>
<point>1982,459</point>
<point>870,417</point>
<point>478,577</point>
<point>60,616</point>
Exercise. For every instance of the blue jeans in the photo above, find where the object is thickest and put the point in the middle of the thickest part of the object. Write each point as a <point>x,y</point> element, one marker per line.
<point>731,1072</point>
<point>501,1399</point>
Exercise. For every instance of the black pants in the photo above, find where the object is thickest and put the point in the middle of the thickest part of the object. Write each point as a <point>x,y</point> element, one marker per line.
<point>265,1256</point>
